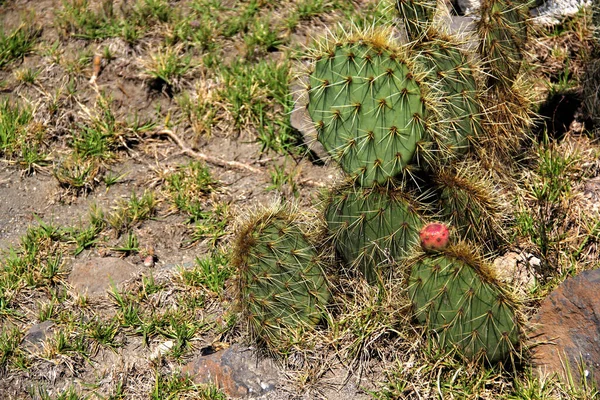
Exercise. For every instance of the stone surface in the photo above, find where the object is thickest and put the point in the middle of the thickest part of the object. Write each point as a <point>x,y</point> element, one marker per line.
<point>591,192</point>
<point>516,270</point>
<point>552,12</point>
<point>95,276</point>
<point>301,121</point>
<point>237,370</point>
<point>567,327</point>
<point>37,334</point>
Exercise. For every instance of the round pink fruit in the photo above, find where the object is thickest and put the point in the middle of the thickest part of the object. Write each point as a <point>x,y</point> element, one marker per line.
<point>434,236</point>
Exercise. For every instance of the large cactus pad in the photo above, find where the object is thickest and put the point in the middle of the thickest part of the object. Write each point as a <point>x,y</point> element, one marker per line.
<point>464,305</point>
<point>503,32</point>
<point>369,109</point>
<point>371,226</point>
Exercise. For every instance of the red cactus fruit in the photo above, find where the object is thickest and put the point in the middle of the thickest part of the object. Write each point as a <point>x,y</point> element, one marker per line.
<point>434,236</point>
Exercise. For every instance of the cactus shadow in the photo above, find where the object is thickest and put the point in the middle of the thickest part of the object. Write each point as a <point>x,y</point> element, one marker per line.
<point>557,113</point>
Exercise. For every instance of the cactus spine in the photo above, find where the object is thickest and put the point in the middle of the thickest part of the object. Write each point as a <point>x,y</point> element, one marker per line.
<point>467,200</point>
<point>452,74</point>
<point>503,31</point>
<point>372,225</point>
<point>417,16</point>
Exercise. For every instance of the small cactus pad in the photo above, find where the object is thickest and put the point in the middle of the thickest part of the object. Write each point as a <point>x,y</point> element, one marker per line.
<point>468,201</point>
<point>452,74</point>
<point>370,226</point>
<point>454,293</point>
<point>369,108</point>
<point>417,16</point>
<point>503,32</point>
<point>281,284</point>
<point>434,236</point>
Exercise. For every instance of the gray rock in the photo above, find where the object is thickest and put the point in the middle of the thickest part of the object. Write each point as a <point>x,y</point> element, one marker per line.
<point>515,270</point>
<point>95,276</point>
<point>468,7</point>
<point>300,120</point>
<point>237,370</point>
<point>552,12</point>
<point>567,328</point>
<point>37,334</point>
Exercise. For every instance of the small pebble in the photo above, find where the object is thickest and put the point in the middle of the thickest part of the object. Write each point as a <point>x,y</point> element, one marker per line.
<point>161,350</point>
<point>149,261</point>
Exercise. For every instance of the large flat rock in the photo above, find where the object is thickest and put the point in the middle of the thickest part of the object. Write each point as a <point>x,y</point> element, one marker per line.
<point>568,327</point>
<point>96,276</point>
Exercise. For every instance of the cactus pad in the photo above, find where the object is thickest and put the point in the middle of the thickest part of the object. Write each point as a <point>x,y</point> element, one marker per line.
<point>369,108</point>
<point>455,294</point>
<point>503,32</point>
<point>417,16</point>
<point>468,201</point>
<point>449,71</point>
<point>281,284</point>
<point>369,226</point>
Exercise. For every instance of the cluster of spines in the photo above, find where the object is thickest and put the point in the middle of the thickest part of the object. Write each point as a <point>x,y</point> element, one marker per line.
<point>468,200</point>
<point>282,287</point>
<point>417,16</point>
<point>452,74</point>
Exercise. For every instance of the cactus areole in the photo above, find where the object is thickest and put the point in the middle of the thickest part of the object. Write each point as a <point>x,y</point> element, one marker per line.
<point>434,236</point>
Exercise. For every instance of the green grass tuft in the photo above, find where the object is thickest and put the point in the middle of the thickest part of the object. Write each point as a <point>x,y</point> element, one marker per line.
<point>18,43</point>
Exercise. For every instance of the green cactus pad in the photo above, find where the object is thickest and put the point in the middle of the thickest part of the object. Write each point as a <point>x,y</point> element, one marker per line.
<point>449,71</point>
<point>456,296</point>
<point>368,107</point>
<point>281,284</point>
<point>417,16</point>
<point>503,32</point>
<point>371,226</point>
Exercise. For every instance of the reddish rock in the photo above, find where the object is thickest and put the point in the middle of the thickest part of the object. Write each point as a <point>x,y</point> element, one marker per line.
<point>95,276</point>
<point>238,371</point>
<point>568,328</point>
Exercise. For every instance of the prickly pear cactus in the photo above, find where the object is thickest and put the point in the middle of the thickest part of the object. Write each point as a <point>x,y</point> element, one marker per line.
<point>503,32</point>
<point>369,226</point>
<point>449,71</point>
<point>456,295</point>
<point>417,16</point>
<point>282,289</point>
<point>368,105</point>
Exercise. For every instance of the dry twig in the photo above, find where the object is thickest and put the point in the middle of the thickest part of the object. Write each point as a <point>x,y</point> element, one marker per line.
<point>223,163</point>
<point>209,159</point>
